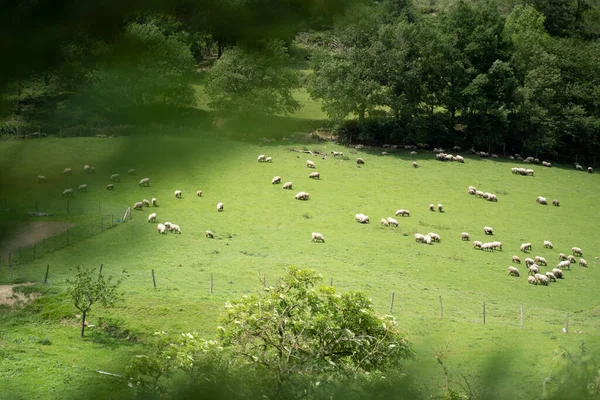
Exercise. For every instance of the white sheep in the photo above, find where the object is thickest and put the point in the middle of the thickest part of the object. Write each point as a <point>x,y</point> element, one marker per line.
<point>175,228</point>
<point>138,205</point>
<point>115,178</point>
<point>427,239</point>
<point>269,159</point>
<point>145,182</point>
<point>262,158</point>
<point>302,196</point>
<point>529,262</point>
<point>415,165</point>
<point>168,225</point>
<point>146,203</point>
<point>317,237</point>
<point>548,244</point>
<point>525,247</point>
<point>287,185</point>
<point>488,230</point>
<point>131,172</point>
<point>440,208</point>
<point>360,161</point>
<point>477,244</point>
<point>534,269</point>
<point>337,153</point>
<point>464,236</point>
<point>540,260</point>
<point>577,251</point>
<point>492,197</point>
<point>392,221</point>
<point>571,259</point>
<point>582,262</point>
<point>152,217</point>
<point>42,179</point>
<point>315,175</point>
<point>590,170</point>
<point>384,222</point>
<point>460,159</point>
<point>419,237</point>
<point>310,164</point>
<point>209,234</point>
<point>516,259</point>
<point>220,207</point>
<point>551,276</point>
<point>199,193</point>
<point>67,171</point>
<point>562,256</point>
<point>557,272</point>
<point>161,228</point>
<point>276,180</point>
<point>178,194</point>
<point>513,271</point>
<point>403,213</point>
<point>532,280</point>
<point>541,200</point>
<point>497,245</point>
<point>564,264</point>
<point>543,279</point>
<point>67,193</point>
<point>362,218</point>
<point>478,193</point>
<point>413,153</point>
<point>434,237</point>
<point>472,191</point>
<point>578,167</point>
<point>82,188</point>
<point>154,202</point>
<point>110,186</point>
<point>431,207</point>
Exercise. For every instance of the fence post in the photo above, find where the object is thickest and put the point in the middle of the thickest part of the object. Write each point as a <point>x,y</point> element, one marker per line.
<point>521,324</point>
<point>484,312</point>
<point>441,308</point>
<point>211,282</point>
<point>331,281</point>
<point>392,302</point>
<point>567,323</point>
<point>47,270</point>
<point>153,279</point>
<point>100,272</point>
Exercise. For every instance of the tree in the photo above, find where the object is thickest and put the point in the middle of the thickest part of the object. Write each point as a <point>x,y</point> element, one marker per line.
<point>298,329</point>
<point>90,287</point>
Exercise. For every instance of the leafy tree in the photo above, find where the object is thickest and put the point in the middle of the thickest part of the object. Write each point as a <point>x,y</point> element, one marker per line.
<point>90,287</point>
<point>253,81</point>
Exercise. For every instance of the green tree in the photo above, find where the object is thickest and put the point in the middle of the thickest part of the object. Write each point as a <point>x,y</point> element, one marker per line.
<point>90,287</point>
<point>253,81</point>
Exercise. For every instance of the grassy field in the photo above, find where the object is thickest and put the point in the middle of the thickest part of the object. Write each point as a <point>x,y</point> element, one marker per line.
<point>264,229</point>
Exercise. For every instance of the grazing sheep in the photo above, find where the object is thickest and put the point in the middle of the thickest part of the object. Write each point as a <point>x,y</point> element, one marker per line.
<point>262,158</point>
<point>392,221</point>
<point>161,228</point>
<point>360,161</point>
<point>131,172</point>
<point>578,167</point>
<point>419,237</point>
<point>199,193</point>
<point>415,165</point>
<point>275,180</point>
<point>557,273</point>
<point>571,259</point>
<point>590,170</point>
<point>577,251</point>
<point>287,185</point>
<point>362,218</point>
<point>562,256</point>
<point>317,237</point>
<point>154,202</point>
<point>427,239</point>
<point>145,182</point>
<point>310,164</point>
<point>564,264</point>
<point>110,186</point>
<point>531,280</point>
<point>529,262</point>
<point>175,228</point>
<point>315,175</point>
<point>146,203</point>
<point>477,244</point>
<point>152,217</point>
<point>540,260</point>
<point>582,262</point>
<point>543,279</point>
<point>337,153</point>
<point>496,245</point>
<point>555,202</point>
<point>385,153</point>
<point>82,188</point>
<point>440,208</point>
<point>529,172</point>
<point>138,206</point>
<point>168,225</point>
<point>413,153</point>
<point>551,276</point>
<point>115,178</point>
<point>460,159</point>
<point>42,179</point>
<point>525,247</point>
<point>479,193</point>
<point>464,236</point>
<point>220,207</point>
<point>548,244</point>
<point>431,207</point>
<point>434,237</point>
<point>492,197</point>
<point>302,196</point>
<point>384,222</point>
<point>513,271</point>
<point>178,194</point>
<point>516,259</point>
<point>488,230</point>
<point>403,213</point>
<point>209,234</point>
<point>534,269</point>
<point>269,159</point>
<point>67,171</point>
<point>541,200</point>
<point>472,190</point>
<point>86,168</point>
<point>67,193</point>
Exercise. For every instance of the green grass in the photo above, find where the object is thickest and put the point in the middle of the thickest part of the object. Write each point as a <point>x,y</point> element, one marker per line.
<point>264,229</point>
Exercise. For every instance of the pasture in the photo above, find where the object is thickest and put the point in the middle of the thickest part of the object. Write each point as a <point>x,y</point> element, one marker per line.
<point>263,229</point>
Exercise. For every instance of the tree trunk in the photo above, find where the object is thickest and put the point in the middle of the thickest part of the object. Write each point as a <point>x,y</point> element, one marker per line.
<point>83,323</point>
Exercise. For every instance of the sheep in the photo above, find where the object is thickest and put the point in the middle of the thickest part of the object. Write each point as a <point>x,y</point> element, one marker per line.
<point>146,203</point>
<point>138,205</point>
<point>67,171</point>
<point>154,202</point>
<point>557,273</point>
<point>513,271</point>
<point>478,193</point>
<point>178,194</point>
<point>413,153</point>
<point>276,180</point>
<point>403,213</point>
<point>571,259</point>
<point>168,225</point>
<point>582,262</point>
<point>42,179</point>
<point>492,197</point>
<point>477,244</point>
<point>431,207</point>
<point>175,228</point>
<point>551,276</point>
<point>315,175</point>
<point>529,262</point>
<point>115,178</point>
<point>440,208</point>
<point>577,251</point>
<point>487,246</point>
<point>219,207</point>
<point>578,167</point>
<point>86,168</point>
<point>562,256</point>
<point>161,228</point>
<point>543,279</point>
<point>415,165</point>
<point>362,218</point>
<point>496,245</point>
<point>534,269</point>
<point>131,172</point>
<point>199,193</point>
<point>525,247</point>
<point>392,221</point>
<point>488,230</point>
<point>262,158</point>
<point>269,159</point>
<point>564,264</point>
<point>317,237</point>
<point>427,239</point>
<point>287,185</point>
<point>540,260</point>
<point>529,172</point>
<point>555,203</point>
<point>302,196</point>
<point>110,186</point>
<point>590,170</point>
<point>360,161</point>
<point>541,200</point>
<point>82,188</point>
<point>385,153</point>
<point>548,244</point>
<point>337,153</point>
<point>472,190</point>
<point>209,234</point>
<point>384,222</point>
<point>145,182</point>
<point>310,164</point>
<point>464,236</point>
<point>460,159</point>
<point>516,259</point>
<point>434,237</point>
<point>152,217</point>
<point>532,280</point>
<point>419,237</point>
<point>67,193</point>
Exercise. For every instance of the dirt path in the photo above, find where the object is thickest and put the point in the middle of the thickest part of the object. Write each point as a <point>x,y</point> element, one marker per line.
<point>10,298</point>
<point>28,233</point>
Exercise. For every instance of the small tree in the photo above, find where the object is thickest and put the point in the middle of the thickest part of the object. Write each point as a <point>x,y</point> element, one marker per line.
<point>89,287</point>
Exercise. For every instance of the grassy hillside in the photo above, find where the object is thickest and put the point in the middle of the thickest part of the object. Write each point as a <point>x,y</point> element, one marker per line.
<point>264,229</point>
